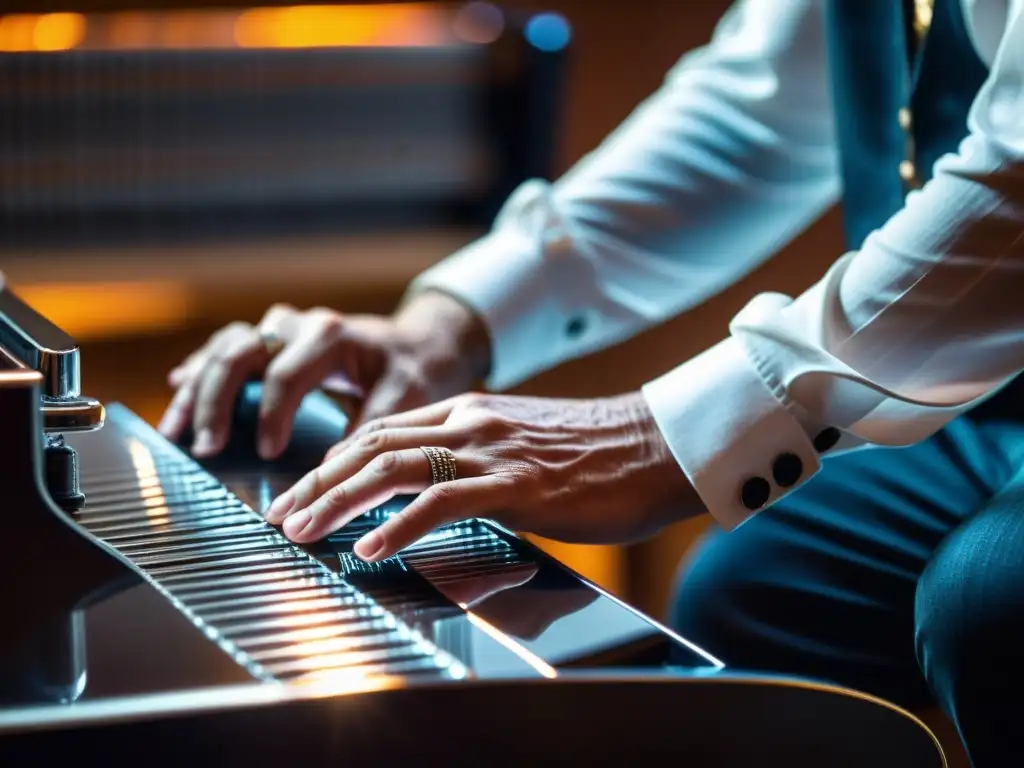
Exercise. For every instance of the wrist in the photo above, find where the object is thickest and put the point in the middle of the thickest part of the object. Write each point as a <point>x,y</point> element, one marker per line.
<point>672,493</point>
<point>445,331</point>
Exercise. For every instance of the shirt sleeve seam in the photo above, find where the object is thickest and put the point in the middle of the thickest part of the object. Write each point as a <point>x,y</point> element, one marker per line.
<point>777,387</point>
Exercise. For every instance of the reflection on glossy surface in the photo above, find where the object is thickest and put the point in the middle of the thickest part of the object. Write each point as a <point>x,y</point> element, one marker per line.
<point>549,612</point>
<point>131,642</point>
<point>530,658</point>
<point>64,660</point>
<point>228,599</point>
<point>146,474</point>
<point>241,583</point>
<point>51,668</point>
<point>40,345</point>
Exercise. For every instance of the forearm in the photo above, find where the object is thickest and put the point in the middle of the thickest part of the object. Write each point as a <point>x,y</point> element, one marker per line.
<point>729,160</point>
<point>447,328</point>
<point>894,342</point>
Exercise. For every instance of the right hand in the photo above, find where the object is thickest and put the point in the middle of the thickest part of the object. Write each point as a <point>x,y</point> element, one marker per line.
<point>432,349</point>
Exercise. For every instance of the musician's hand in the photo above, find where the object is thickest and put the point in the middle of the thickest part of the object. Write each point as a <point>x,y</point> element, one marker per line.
<point>577,470</point>
<point>433,348</point>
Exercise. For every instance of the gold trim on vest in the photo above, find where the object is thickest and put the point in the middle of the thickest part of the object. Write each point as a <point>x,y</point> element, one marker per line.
<point>921,23</point>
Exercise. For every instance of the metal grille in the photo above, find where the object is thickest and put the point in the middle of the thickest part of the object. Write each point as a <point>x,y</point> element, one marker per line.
<point>279,611</point>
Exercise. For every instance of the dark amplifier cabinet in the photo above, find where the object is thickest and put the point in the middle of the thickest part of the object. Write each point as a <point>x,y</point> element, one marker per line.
<point>219,128</point>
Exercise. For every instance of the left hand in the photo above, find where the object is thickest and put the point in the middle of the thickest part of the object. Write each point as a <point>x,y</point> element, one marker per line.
<point>594,471</point>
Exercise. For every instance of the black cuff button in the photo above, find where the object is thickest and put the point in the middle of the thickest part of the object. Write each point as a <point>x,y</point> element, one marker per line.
<point>787,469</point>
<point>826,439</point>
<point>755,493</point>
<point>575,327</point>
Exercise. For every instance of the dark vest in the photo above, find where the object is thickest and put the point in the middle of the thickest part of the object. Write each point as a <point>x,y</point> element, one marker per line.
<point>874,74</point>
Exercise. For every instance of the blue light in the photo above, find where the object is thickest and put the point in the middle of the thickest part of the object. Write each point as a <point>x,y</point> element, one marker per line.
<point>548,32</point>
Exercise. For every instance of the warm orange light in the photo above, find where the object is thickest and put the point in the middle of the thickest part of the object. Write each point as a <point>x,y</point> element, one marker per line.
<point>310,26</point>
<point>145,467</point>
<point>602,564</point>
<point>16,32</point>
<point>339,682</point>
<point>58,31</point>
<point>45,32</point>
<point>131,29</point>
<point>101,310</point>
<point>404,24</point>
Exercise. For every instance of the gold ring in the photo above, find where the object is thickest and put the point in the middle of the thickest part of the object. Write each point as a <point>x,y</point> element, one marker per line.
<point>442,464</point>
<point>272,343</point>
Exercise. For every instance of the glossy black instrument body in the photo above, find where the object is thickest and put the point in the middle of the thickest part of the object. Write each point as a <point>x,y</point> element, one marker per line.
<point>215,596</point>
<point>472,644</point>
<point>165,621</point>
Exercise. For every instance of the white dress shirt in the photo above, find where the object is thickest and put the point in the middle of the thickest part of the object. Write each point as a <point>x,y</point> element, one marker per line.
<point>728,161</point>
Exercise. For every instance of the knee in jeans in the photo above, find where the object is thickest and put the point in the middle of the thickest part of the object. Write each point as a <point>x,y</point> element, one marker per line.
<point>969,623</point>
<point>702,587</point>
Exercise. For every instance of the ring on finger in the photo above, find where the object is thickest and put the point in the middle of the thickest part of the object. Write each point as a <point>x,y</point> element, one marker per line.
<point>272,343</point>
<point>442,464</point>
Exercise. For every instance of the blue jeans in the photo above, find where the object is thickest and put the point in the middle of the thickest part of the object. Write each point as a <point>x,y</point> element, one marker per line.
<point>899,572</point>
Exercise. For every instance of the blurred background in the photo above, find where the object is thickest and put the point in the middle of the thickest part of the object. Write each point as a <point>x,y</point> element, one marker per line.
<point>166,168</point>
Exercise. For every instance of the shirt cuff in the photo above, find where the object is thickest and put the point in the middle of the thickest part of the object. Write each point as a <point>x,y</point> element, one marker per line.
<point>515,279</point>
<point>739,445</point>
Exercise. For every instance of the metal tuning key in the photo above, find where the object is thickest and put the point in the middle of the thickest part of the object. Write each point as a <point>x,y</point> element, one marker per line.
<point>50,565</point>
<point>42,346</point>
<point>33,343</point>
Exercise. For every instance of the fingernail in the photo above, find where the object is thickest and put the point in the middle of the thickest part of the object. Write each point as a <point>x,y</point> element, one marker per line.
<point>281,507</point>
<point>369,546</point>
<point>296,523</point>
<point>266,446</point>
<point>203,443</point>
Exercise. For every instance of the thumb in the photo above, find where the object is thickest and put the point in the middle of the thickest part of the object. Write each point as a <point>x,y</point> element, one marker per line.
<point>388,397</point>
<point>391,395</point>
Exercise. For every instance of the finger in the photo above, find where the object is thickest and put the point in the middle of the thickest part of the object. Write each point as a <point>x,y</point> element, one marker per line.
<point>187,367</point>
<point>340,384</point>
<point>297,368</point>
<point>432,415</point>
<point>393,395</point>
<point>347,462</point>
<point>281,318</point>
<point>386,476</point>
<point>232,362</point>
<point>179,412</point>
<point>438,505</point>
<point>390,397</point>
<point>311,341</point>
<point>194,363</point>
<point>181,408</point>
<point>289,378</point>
<point>177,375</point>
<point>191,365</point>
